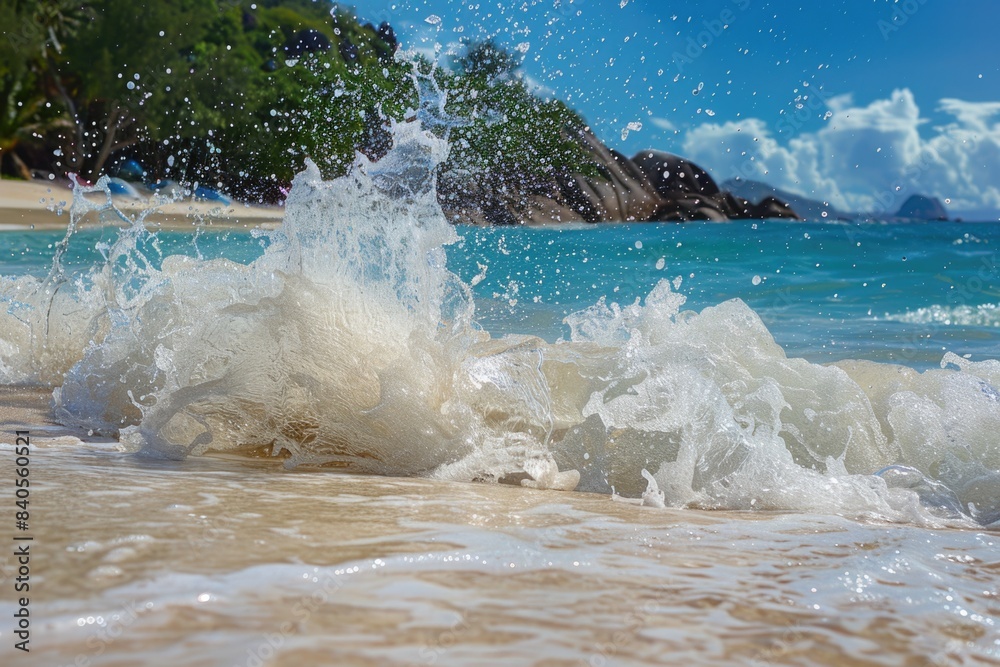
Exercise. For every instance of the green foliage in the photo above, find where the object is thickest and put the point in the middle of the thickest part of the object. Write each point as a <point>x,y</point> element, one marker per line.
<point>20,98</point>
<point>34,35</point>
<point>206,90</point>
<point>218,93</point>
<point>508,132</point>
<point>339,109</point>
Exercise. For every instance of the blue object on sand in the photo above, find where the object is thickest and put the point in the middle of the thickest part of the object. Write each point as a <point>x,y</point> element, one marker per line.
<point>119,187</point>
<point>131,170</point>
<point>160,184</point>
<point>208,194</point>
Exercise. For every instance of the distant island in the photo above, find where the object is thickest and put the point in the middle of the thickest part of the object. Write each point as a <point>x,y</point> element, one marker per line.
<point>229,98</point>
<point>915,208</point>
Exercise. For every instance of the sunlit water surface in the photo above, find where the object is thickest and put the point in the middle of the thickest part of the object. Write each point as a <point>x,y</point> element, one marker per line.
<point>211,561</point>
<point>252,381</point>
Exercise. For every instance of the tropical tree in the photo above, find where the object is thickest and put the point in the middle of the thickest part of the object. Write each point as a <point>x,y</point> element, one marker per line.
<point>238,93</point>
<point>21,100</point>
<point>507,138</point>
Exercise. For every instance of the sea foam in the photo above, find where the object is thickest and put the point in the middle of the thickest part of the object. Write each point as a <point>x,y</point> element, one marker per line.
<point>349,343</point>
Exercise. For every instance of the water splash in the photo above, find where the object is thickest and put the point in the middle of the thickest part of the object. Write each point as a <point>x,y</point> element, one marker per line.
<point>348,343</point>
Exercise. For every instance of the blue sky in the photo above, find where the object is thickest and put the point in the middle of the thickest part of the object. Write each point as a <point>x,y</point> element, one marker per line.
<point>859,103</point>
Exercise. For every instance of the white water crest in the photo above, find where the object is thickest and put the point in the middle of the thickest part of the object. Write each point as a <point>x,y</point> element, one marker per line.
<point>983,315</point>
<point>348,343</point>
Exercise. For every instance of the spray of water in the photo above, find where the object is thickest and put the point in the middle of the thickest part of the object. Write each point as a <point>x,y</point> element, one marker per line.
<point>349,343</point>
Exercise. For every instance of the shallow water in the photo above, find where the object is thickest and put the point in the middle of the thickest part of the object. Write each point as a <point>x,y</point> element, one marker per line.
<point>826,290</point>
<point>903,293</point>
<point>211,561</point>
<point>208,409</point>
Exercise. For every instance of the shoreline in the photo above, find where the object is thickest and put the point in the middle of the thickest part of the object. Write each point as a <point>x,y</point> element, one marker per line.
<point>44,205</point>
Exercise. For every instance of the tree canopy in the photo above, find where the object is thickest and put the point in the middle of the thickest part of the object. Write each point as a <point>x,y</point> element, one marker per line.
<point>236,94</point>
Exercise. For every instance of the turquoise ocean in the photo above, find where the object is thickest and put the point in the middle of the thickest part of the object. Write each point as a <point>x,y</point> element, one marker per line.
<point>762,441</point>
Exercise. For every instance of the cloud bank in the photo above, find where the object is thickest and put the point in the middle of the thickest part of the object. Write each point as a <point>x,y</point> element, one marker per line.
<point>865,158</point>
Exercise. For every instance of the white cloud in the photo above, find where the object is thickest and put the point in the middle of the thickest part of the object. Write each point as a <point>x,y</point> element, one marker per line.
<point>663,124</point>
<point>748,149</point>
<point>865,157</point>
<point>972,114</point>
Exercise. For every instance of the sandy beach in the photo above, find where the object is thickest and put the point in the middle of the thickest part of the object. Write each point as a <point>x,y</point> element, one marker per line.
<point>45,205</point>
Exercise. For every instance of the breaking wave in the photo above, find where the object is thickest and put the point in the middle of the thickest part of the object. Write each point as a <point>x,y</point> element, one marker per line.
<point>348,343</point>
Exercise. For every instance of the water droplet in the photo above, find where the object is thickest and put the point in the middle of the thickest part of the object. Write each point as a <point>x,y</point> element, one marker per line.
<point>634,126</point>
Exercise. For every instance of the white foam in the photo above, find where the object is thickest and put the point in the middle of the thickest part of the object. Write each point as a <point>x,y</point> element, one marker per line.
<point>350,342</point>
<point>983,315</point>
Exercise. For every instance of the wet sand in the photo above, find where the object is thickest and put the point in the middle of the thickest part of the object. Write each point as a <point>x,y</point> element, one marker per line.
<point>226,561</point>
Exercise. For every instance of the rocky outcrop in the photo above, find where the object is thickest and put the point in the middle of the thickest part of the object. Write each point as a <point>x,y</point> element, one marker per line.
<point>695,195</point>
<point>916,208</point>
<point>920,207</point>
<point>810,209</point>
<point>653,186</point>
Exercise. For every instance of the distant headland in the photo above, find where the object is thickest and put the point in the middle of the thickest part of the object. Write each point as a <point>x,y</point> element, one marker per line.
<point>915,208</point>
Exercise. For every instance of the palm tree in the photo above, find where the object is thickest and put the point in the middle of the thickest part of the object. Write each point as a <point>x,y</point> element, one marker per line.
<point>17,121</point>
<point>59,20</point>
<point>37,31</point>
